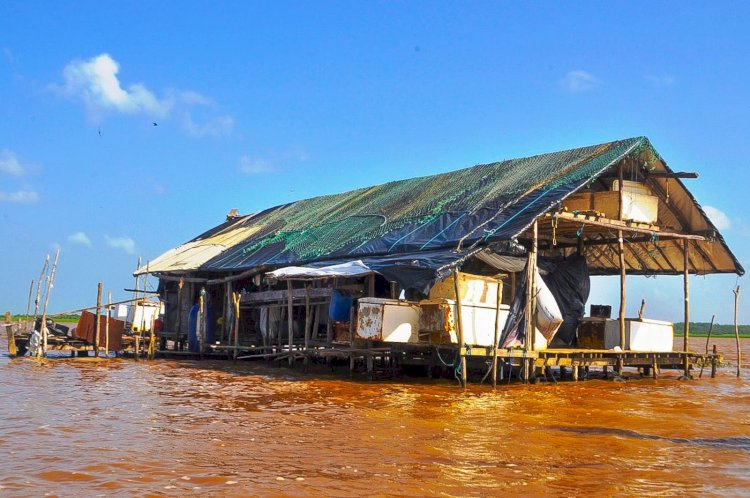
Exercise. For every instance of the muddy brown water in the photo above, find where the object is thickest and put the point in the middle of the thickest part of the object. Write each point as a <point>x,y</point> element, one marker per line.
<point>86,427</point>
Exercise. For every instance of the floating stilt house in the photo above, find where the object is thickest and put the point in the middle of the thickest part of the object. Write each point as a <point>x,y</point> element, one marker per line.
<point>481,269</point>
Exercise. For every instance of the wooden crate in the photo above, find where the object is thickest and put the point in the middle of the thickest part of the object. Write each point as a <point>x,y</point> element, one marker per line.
<point>473,289</point>
<point>580,202</point>
<point>591,333</point>
<point>636,207</point>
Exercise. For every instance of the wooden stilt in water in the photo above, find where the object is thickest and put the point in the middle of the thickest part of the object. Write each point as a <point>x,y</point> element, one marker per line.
<point>50,284</point>
<point>686,286</point>
<point>352,316</point>
<point>97,325</point>
<point>236,298</point>
<point>178,325</point>
<point>201,322</point>
<point>713,362</point>
<point>290,318</point>
<point>623,296</point>
<point>28,303</point>
<point>737,329</point>
<point>137,337</point>
<point>497,334</point>
<point>708,338</point>
<point>12,351</point>
<point>621,253</point>
<point>106,325</point>
<point>308,323</point>
<point>460,329</point>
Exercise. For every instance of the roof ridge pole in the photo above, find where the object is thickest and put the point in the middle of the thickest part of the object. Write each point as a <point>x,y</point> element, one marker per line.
<point>621,253</point>
<point>686,329</point>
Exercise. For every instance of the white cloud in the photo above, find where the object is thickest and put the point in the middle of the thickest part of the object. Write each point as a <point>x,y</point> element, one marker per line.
<point>661,80</point>
<point>20,197</point>
<point>251,166</point>
<point>80,238</point>
<point>579,81</point>
<point>214,127</point>
<point>718,218</point>
<point>123,243</point>
<point>9,163</point>
<point>95,82</point>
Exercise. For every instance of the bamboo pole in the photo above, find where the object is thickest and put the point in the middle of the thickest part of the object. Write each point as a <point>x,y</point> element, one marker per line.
<point>308,321</point>
<point>290,318</point>
<point>28,303</point>
<point>708,338</point>
<point>236,298</point>
<point>106,325</point>
<point>201,321</point>
<point>37,301</point>
<point>12,351</point>
<point>737,328</point>
<point>50,284</point>
<point>97,325</point>
<point>137,337</point>
<point>460,329</point>
<point>534,249</point>
<point>178,324</point>
<point>686,286</point>
<point>713,362</point>
<point>497,334</point>
<point>623,298</point>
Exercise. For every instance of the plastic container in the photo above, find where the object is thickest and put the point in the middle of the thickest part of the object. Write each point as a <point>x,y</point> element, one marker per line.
<point>340,306</point>
<point>193,340</point>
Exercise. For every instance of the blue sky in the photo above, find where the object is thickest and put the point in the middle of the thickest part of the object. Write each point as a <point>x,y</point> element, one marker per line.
<point>258,104</point>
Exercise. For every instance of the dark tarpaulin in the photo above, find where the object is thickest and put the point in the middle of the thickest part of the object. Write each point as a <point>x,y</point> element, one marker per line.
<point>570,284</point>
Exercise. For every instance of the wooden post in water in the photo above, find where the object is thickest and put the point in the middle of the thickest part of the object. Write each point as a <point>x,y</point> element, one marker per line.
<point>290,318</point>
<point>37,301</point>
<point>236,298</point>
<point>708,338</point>
<point>97,325</point>
<point>528,311</point>
<point>136,337</point>
<point>621,252</point>
<point>178,324</point>
<point>623,296</point>
<point>737,329</point>
<point>713,362</point>
<point>12,351</point>
<point>106,325</point>
<point>28,303</point>
<point>50,284</point>
<point>460,329</point>
<point>686,287</point>
<point>497,334</point>
<point>201,322</point>
<point>308,322</point>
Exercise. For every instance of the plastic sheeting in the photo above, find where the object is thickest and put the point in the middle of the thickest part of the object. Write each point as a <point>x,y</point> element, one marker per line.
<point>348,269</point>
<point>569,282</point>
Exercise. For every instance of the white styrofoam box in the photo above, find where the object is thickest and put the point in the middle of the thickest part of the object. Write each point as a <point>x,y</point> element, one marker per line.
<point>387,320</point>
<point>640,335</point>
<point>477,321</point>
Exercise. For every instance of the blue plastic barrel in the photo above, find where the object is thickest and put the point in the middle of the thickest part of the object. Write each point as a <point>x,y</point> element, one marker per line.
<point>193,341</point>
<point>340,306</point>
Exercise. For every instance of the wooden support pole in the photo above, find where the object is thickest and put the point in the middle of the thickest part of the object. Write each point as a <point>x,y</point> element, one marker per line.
<point>371,285</point>
<point>37,301</point>
<point>28,303</point>
<point>97,325</point>
<point>12,351</point>
<point>623,296</point>
<point>460,329</point>
<point>308,322</point>
<point>686,287</point>
<point>236,298</point>
<point>50,284</point>
<point>178,324</point>
<point>737,329</point>
<point>708,338</point>
<point>534,250</point>
<point>201,321</point>
<point>290,318</point>
<point>106,325</point>
<point>713,362</point>
<point>497,334</point>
